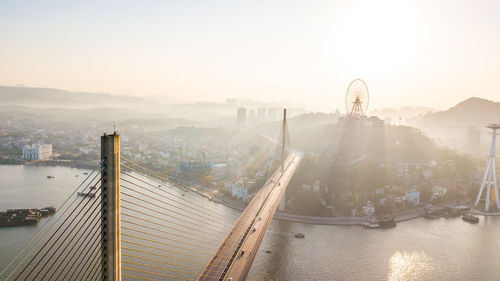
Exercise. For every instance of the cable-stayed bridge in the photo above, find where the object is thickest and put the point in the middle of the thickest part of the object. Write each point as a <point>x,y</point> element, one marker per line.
<point>127,222</point>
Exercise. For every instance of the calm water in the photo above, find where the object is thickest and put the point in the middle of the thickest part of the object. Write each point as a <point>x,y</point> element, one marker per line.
<point>443,249</point>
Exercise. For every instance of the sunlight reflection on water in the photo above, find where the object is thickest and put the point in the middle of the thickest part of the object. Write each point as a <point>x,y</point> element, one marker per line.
<point>409,266</point>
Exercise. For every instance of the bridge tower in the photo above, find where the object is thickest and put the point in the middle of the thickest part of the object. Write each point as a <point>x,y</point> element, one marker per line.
<point>284,137</point>
<point>110,201</point>
<point>490,177</point>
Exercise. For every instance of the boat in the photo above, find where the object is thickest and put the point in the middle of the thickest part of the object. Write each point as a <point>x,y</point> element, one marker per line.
<point>86,194</point>
<point>372,223</point>
<point>430,215</point>
<point>470,218</point>
<point>299,235</point>
<point>50,210</point>
<point>15,217</point>
<point>386,222</point>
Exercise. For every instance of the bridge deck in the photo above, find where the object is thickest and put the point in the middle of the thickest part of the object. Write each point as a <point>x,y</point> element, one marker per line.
<point>236,254</point>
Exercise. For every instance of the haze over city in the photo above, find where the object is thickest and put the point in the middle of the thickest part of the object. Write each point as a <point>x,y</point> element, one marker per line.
<point>409,52</point>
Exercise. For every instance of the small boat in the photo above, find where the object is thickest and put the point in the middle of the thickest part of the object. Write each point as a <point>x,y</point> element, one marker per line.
<point>371,225</point>
<point>386,222</point>
<point>86,194</point>
<point>51,210</point>
<point>299,235</point>
<point>470,218</point>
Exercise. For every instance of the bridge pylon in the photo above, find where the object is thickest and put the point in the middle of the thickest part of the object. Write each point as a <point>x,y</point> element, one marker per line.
<point>284,144</point>
<point>110,202</point>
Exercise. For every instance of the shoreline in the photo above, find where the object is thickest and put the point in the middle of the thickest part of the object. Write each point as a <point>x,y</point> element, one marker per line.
<point>339,221</point>
<point>54,163</point>
<point>348,221</point>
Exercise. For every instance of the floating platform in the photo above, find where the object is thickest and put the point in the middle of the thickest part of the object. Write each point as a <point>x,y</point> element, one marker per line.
<point>17,217</point>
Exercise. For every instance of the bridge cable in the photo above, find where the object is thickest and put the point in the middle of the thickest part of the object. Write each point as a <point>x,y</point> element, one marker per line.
<point>159,274</point>
<point>94,231</point>
<point>176,218</point>
<point>170,193</point>
<point>71,213</point>
<point>167,238</point>
<point>71,241</point>
<point>169,181</point>
<point>175,207</point>
<point>45,225</point>
<point>67,236</point>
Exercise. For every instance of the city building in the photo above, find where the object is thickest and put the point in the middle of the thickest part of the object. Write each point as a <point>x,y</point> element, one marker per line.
<point>272,114</point>
<point>251,115</point>
<point>195,169</point>
<point>261,114</point>
<point>37,151</point>
<point>473,140</point>
<point>239,191</point>
<point>241,116</point>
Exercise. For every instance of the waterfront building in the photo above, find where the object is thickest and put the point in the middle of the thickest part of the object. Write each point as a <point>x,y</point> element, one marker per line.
<point>37,151</point>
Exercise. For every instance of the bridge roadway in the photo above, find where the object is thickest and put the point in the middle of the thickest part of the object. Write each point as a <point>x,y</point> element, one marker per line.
<point>235,256</point>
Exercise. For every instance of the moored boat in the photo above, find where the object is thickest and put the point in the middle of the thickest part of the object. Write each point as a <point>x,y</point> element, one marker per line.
<point>86,194</point>
<point>470,218</point>
<point>299,235</point>
<point>386,222</point>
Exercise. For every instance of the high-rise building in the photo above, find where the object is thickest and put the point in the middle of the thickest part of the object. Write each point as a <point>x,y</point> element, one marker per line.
<point>241,116</point>
<point>272,114</point>
<point>261,114</point>
<point>473,140</point>
<point>37,151</point>
<point>251,115</point>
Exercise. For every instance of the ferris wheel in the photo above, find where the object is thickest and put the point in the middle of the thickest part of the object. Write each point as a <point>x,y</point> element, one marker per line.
<point>357,98</point>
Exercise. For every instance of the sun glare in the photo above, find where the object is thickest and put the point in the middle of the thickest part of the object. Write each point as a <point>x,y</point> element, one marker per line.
<point>408,266</point>
<point>377,36</point>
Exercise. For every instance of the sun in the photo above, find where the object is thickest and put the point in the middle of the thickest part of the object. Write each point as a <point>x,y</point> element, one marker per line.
<point>377,36</point>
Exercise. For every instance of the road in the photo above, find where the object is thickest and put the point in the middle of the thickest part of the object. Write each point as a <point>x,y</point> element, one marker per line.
<point>236,254</point>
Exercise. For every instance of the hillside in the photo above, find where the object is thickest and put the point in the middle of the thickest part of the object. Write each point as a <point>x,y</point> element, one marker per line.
<point>471,112</point>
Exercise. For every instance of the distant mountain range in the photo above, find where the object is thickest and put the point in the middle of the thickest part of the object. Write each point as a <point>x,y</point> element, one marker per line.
<point>471,112</point>
<point>401,114</point>
<point>47,97</point>
<point>200,111</point>
<point>475,112</point>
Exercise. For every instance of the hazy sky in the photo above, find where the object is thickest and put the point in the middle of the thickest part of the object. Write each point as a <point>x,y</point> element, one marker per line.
<point>432,53</point>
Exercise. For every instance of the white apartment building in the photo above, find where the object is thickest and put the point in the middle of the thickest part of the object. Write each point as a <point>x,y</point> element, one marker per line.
<point>37,151</point>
